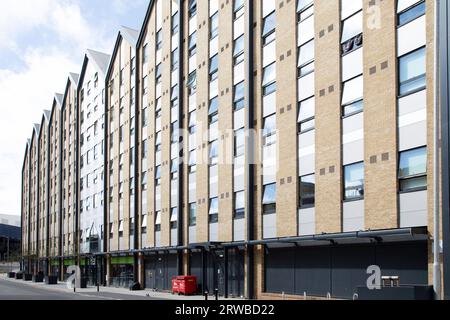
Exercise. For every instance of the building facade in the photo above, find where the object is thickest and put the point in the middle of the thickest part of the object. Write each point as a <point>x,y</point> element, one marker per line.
<point>270,148</point>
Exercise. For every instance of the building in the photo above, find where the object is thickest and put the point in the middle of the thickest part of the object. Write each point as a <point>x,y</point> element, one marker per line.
<point>10,235</point>
<point>270,148</point>
<point>120,160</point>
<point>91,146</point>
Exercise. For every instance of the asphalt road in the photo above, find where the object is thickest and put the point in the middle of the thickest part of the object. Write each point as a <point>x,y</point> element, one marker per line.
<point>17,290</point>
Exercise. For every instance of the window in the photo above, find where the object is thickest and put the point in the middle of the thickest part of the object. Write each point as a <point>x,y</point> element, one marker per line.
<point>307,191</point>
<point>158,220</point>
<point>144,118</point>
<point>175,59</point>
<point>352,27</point>
<point>303,4</point>
<point>214,210</point>
<point>270,130</point>
<point>158,73</point>
<point>158,175</point>
<point>144,181</point>
<point>353,108</point>
<point>175,26</point>
<point>144,149</point>
<point>192,82</point>
<point>144,57</point>
<point>269,78</point>
<point>192,214</point>
<point>239,8</point>
<point>213,110</point>
<point>239,96</point>
<point>159,41</point>
<point>213,68</point>
<point>269,199</point>
<point>239,143</point>
<point>238,53</point>
<point>412,72</point>
<point>306,114</point>
<point>411,13</point>
<point>174,218</point>
<point>413,170</point>
<point>192,161</point>
<point>192,122</point>
<point>354,181</point>
<point>213,152</point>
<point>214,25</point>
<point>192,44</point>
<point>239,205</point>
<point>192,8</point>
<point>305,63</point>
<point>352,37</point>
<point>353,90</point>
<point>174,170</point>
<point>269,24</point>
<point>158,141</point>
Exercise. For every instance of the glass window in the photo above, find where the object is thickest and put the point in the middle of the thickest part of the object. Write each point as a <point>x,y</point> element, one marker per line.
<point>192,44</point>
<point>239,46</point>
<point>213,106</point>
<point>214,210</point>
<point>192,8</point>
<point>192,214</point>
<point>352,27</point>
<point>214,26</point>
<point>239,205</point>
<point>159,37</point>
<point>303,4</point>
<point>239,96</point>
<point>349,7</point>
<point>214,152</point>
<point>269,24</point>
<point>353,108</point>
<point>353,90</point>
<point>175,23</point>
<point>270,194</point>
<point>239,143</point>
<point>411,13</point>
<point>269,77</point>
<point>307,190</point>
<point>175,59</point>
<point>306,114</point>
<point>354,181</point>
<point>306,53</point>
<point>413,169</point>
<point>412,71</point>
<point>192,121</point>
<point>269,130</point>
<point>192,80</point>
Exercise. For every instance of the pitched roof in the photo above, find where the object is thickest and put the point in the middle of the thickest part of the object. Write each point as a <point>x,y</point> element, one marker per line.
<point>129,34</point>
<point>100,59</point>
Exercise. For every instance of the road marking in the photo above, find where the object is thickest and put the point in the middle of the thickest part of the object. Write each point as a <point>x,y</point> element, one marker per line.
<point>97,297</point>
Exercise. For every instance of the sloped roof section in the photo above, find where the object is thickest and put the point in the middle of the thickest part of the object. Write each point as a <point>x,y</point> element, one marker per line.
<point>100,59</point>
<point>74,77</point>
<point>59,99</point>
<point>130,35</point>
<point>47,114</point>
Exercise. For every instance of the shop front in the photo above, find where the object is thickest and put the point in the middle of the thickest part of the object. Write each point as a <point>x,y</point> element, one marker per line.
<point>160,268</point>
<point>121,272</point>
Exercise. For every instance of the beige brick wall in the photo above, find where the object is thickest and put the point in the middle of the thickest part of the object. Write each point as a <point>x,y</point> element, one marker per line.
<point>380,100</point>
<point>328,118</point>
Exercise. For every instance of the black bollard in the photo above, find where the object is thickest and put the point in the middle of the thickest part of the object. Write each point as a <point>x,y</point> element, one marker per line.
<point>206,295</point>
<point>216,294</point>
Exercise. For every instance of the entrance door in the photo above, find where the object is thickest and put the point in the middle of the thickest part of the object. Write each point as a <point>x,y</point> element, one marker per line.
<point>160,273</point>
<point>216,272</point>
<point>150,272</point>
<point>236,260</point>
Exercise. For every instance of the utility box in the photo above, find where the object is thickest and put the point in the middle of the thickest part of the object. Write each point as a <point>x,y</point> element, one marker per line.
<point>186,285</point>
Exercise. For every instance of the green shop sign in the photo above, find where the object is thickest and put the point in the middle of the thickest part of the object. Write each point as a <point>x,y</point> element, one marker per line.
<point>122,260</point>
<point>69,262</point>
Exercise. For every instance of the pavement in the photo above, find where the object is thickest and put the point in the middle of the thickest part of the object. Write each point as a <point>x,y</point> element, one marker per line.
<point>11,289</point>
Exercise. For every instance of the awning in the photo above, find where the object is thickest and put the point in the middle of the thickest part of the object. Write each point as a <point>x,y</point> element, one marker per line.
<point>388,235</point>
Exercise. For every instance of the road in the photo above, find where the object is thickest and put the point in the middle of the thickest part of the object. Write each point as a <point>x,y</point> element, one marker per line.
<point>17,290</point>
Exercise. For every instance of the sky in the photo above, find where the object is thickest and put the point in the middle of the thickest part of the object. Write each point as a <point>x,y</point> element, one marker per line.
<point>41,41</point>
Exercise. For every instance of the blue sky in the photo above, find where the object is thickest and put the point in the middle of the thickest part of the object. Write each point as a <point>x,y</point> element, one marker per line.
<point>41,41</point>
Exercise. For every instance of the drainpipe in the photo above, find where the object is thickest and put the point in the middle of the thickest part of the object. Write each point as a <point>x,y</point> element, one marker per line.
<point>436,247</point>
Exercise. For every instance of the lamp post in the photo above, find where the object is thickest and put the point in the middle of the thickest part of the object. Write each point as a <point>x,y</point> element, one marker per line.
<point>436,163</point>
